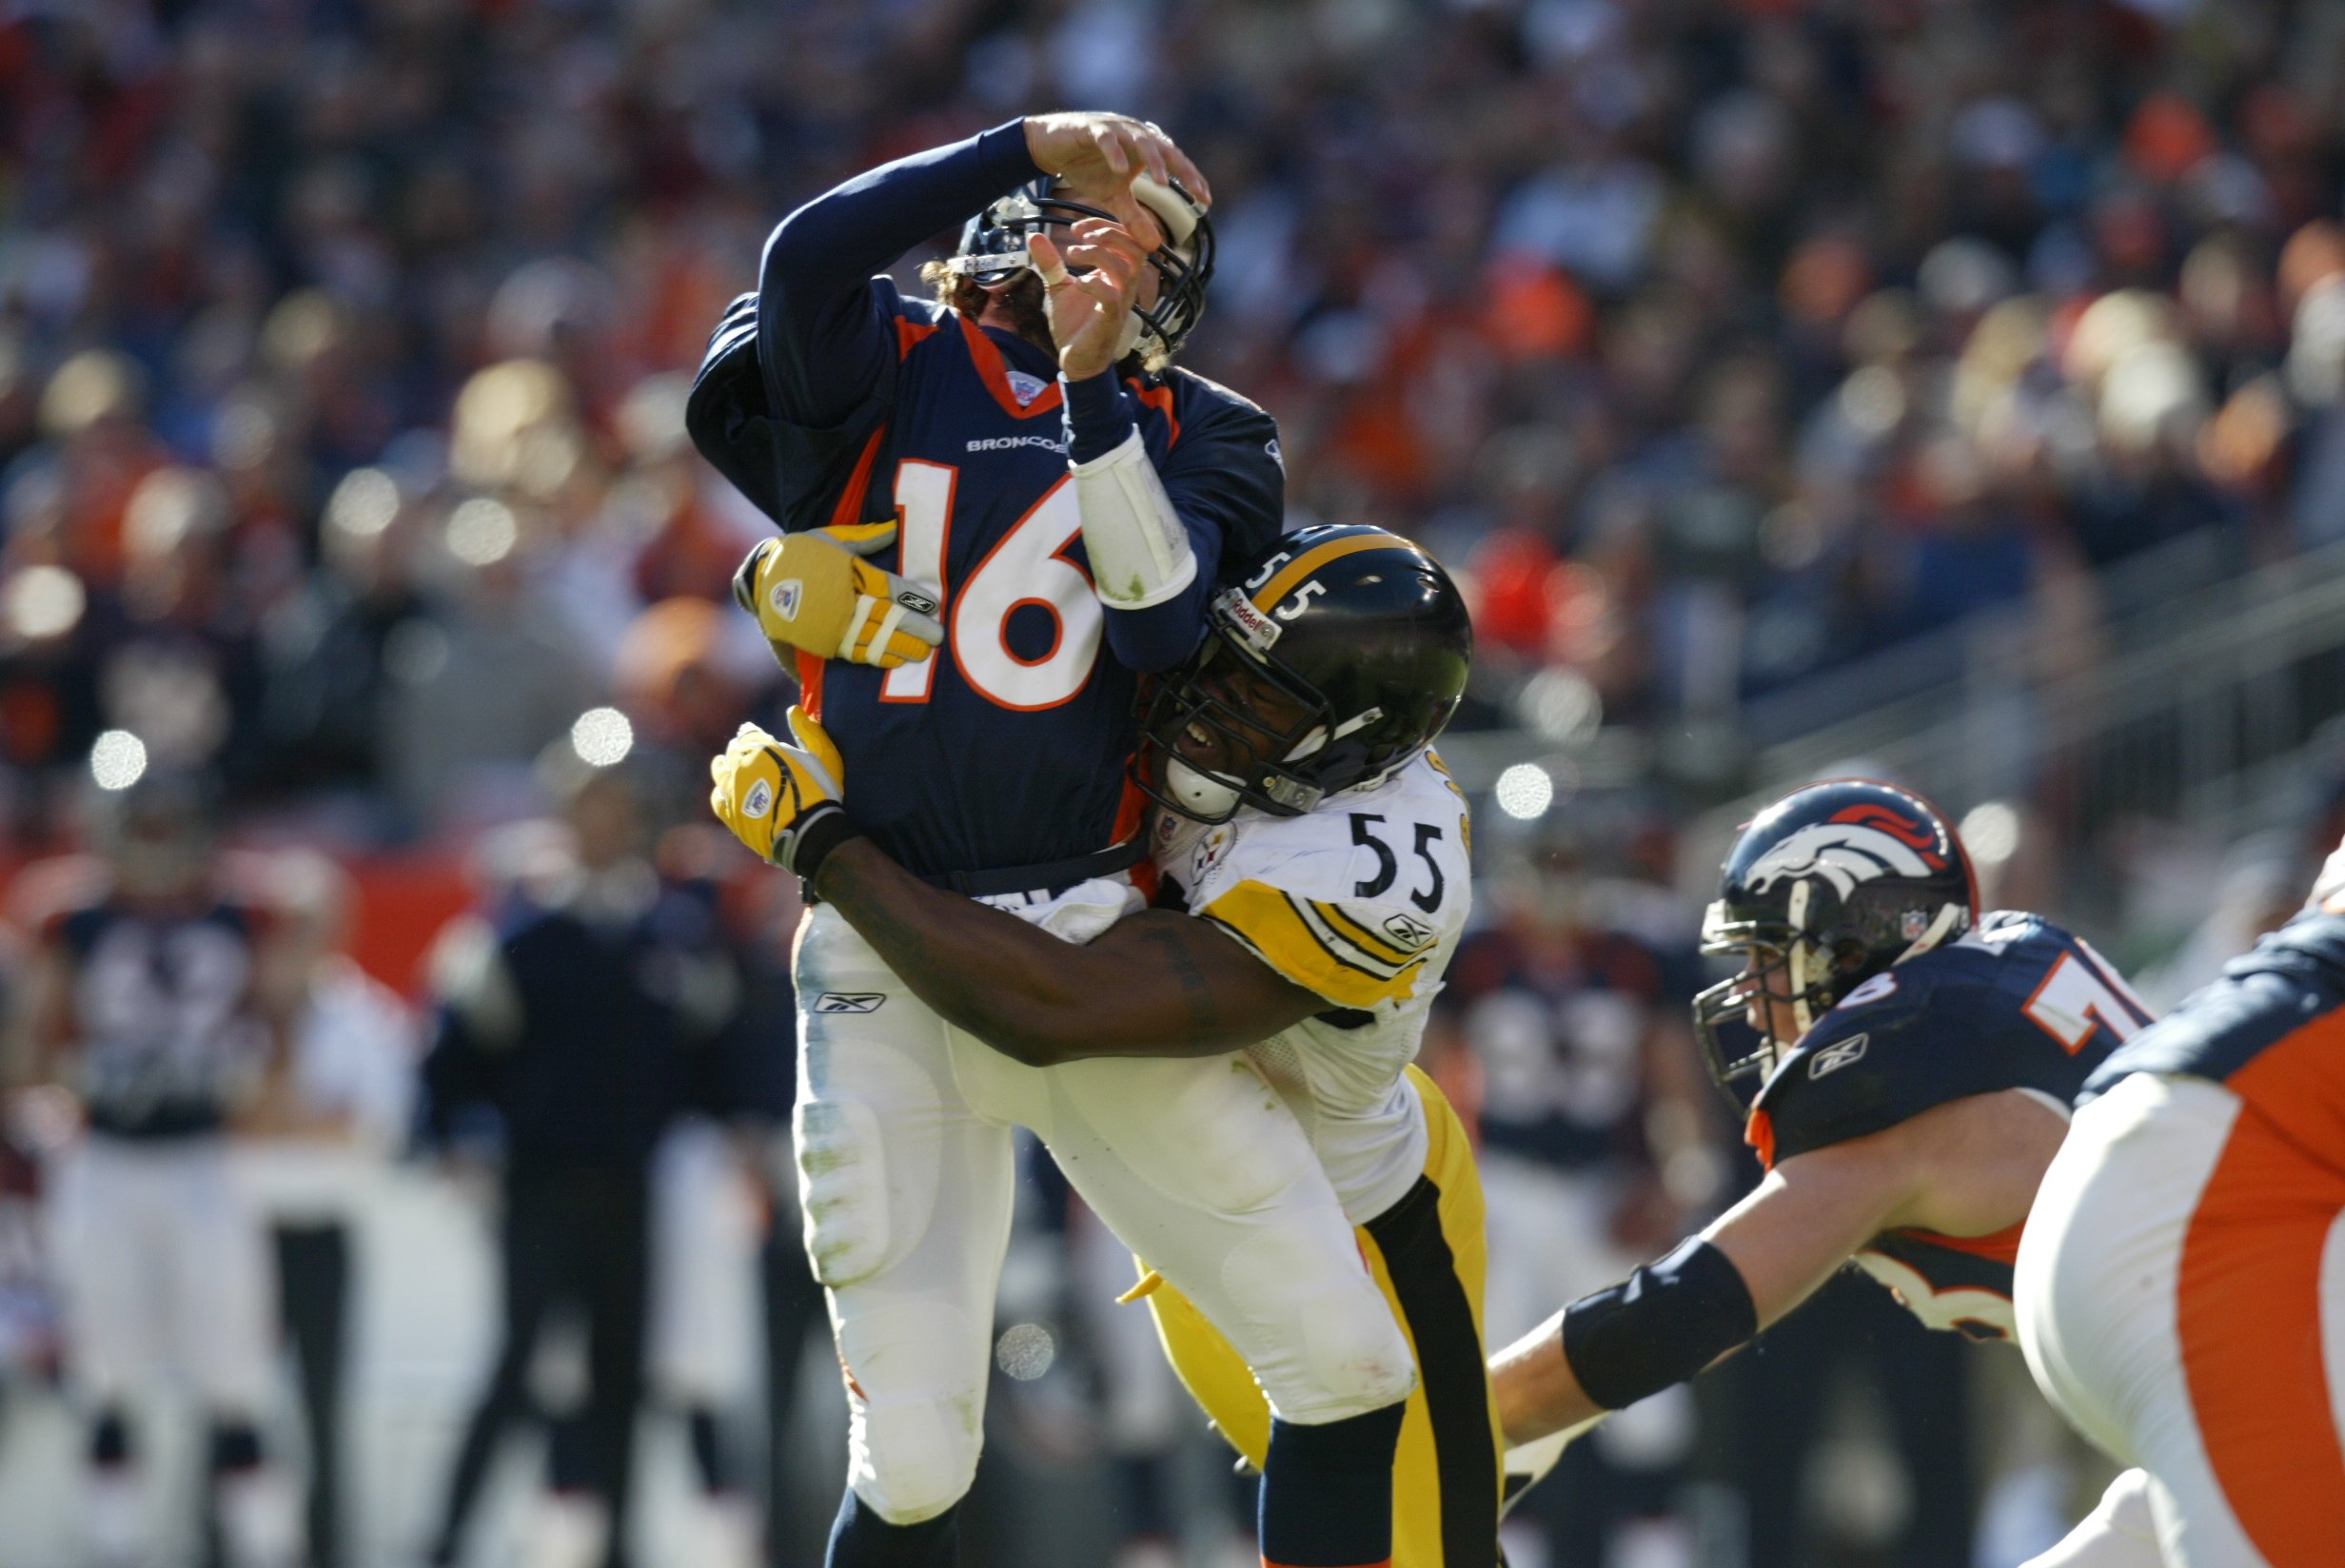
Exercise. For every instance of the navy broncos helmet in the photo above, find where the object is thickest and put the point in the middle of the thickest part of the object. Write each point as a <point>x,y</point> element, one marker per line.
<point>993,250</point>
<point>1829,885</point>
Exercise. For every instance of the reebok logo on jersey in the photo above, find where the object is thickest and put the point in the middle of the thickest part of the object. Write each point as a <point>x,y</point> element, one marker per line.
<point>849,1001</point>
<point>1408,932</point>
<point>786,596</point>
<point>1837,1055</point>
<point>760,800</point>
<point>1011,443</point>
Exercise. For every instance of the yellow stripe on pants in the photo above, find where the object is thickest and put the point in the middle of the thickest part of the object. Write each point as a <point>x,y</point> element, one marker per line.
<point>1220,1383</point>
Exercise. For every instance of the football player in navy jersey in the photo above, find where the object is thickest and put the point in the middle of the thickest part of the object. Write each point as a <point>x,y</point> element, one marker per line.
<point>2178,1286</point>
<point>1915,1060</point>
<point>1000,508</point>
<point>159,998</point>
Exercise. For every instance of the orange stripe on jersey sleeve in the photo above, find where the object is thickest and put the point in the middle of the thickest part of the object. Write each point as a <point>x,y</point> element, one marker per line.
<point>2247,1309</point>
<point>911,334</point>
<point>1160,398</point>
<point>2002,1247</point>
<point>850,507</point>
<point>810,684</point>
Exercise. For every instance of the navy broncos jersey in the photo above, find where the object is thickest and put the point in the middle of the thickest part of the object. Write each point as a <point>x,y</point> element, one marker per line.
<point>2292,977</point>
<point>1008,747</point>
<point>2017,1004</point>
<point>164,1031</point>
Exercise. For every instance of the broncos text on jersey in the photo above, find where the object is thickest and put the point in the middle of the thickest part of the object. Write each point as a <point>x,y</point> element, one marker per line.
<point>2017,1004</point>
<point>1360,902</point>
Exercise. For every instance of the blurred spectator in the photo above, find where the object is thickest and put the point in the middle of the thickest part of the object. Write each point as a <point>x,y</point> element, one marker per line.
<point>310,1154</point>
<point>572,1032</point>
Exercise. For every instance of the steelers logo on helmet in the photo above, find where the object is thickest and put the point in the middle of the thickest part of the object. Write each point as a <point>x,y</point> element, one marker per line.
<point>1826,889</point>
<point>993,250</point>
<point>1338,660</point>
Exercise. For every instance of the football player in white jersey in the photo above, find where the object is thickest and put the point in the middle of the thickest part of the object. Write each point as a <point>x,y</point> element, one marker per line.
<point>1312,880</point>
<point>161,999</point>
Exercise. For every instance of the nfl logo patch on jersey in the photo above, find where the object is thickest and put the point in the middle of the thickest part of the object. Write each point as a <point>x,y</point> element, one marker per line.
<point>1025,388</point>
<point>1837,1055</point>
<point>785,597</point>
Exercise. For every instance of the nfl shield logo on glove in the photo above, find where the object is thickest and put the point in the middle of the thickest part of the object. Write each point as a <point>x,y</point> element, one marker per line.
<point>785,597</point>
<point>760,799</point>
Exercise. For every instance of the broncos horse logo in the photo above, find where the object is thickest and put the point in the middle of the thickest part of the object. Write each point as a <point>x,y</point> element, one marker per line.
<point>1855,846</point>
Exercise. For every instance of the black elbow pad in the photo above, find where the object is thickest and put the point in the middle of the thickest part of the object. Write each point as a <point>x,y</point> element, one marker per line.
<point>1658,1328</point>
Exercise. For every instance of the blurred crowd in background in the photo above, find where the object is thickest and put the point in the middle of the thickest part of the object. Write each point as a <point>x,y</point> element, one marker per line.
<point>1717,343</point>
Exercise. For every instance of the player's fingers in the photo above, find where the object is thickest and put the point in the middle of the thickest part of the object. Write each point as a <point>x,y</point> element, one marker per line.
<point>1049,264</point>
<point>1150,147</point>
<point>1110,144</point>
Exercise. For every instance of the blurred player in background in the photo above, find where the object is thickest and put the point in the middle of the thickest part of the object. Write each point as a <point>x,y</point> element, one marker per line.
<point>163,999</point>
<point>1590,1084</point>
<point>2178,1287</point>
<point>1065,563</point>
<point>1312,853</point>
<point>1916,1062</point>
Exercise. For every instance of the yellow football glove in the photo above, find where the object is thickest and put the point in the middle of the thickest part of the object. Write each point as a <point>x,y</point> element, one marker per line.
<point>782,800</point>
<point>813,591</point>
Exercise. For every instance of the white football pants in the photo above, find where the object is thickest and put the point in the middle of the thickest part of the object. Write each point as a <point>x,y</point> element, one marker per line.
<point>2218,1371</point>
<point>904,1151</point>
<point>163,1264</point>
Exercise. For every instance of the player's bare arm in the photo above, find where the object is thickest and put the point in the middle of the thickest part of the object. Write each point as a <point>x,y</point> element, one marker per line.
<point>1157,984</point>
<point>1969,1167</point>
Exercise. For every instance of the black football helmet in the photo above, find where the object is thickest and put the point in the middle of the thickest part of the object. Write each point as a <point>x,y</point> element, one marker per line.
<point>1338,659</point>
<point>1831,886</point>
<point>993,249</point>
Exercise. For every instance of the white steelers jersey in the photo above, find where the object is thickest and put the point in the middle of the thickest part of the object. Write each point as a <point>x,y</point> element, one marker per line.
<point>1361,901</point>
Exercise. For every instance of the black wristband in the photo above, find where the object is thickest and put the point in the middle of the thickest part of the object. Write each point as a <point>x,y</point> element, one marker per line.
<point>1658,1328</point>
<point>818,832</point>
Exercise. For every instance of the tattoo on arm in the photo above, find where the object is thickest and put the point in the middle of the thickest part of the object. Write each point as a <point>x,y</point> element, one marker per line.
<point>1203,1011</point>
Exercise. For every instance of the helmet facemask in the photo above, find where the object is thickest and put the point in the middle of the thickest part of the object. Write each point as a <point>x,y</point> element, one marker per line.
<point>994,252</point>
<point>1239,754</point>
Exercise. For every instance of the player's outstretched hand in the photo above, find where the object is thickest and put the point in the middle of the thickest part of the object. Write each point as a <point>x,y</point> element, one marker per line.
<point>813,591</point>
<point>1088,293</point>
<point>1097,154</point>
<point>780,798</point>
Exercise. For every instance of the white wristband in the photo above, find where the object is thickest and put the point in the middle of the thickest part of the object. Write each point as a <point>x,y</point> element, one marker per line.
<point>1138,547</point>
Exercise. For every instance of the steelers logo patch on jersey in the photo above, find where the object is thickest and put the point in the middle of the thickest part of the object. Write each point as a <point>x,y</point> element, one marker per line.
<point>1211,850</point>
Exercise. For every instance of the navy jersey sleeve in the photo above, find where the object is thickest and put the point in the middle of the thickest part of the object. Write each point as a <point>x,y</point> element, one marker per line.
<point>1978,1017</point>
<point>797,375</point>
<point>1218,458</point>
<point>1863,1069</point>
